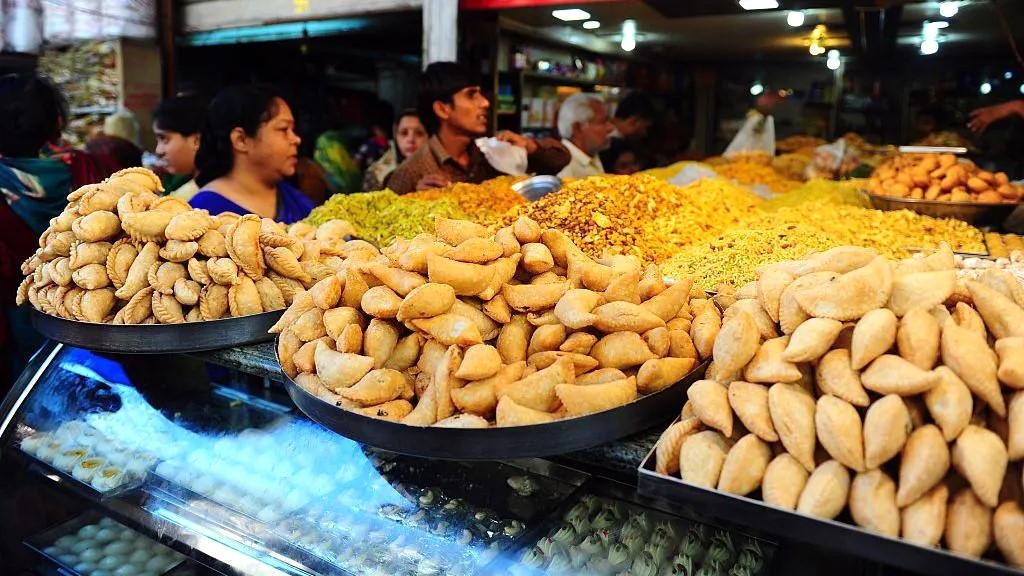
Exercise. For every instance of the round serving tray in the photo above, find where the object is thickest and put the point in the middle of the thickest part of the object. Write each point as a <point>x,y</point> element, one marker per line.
<point>974,213</point>
<point>536,440</point>
<point>157,338</point>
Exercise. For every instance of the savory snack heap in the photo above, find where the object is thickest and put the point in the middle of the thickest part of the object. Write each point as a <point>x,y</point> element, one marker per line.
<point>846,381</point>
<point>380,217</point>
<point>483,203</point>
<point>798,142</point>
<point>791,166</point>
<point>465,328</point>
<point>941,177</point>
<point>751,174</point>
<point>1003,245</point>
<point>122,254</point>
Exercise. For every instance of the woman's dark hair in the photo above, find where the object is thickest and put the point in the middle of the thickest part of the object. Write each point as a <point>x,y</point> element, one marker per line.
<point>382,114</point>
<point>247,107</point>
<point>185,115</point>
<point>440,82</point>
<point>32,113</point>
<point>635,104</point>
<point>113,153</point>
<point>405,114</point>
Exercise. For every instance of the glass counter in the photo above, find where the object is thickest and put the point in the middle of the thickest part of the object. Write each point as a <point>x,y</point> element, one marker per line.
<point>215,466</point>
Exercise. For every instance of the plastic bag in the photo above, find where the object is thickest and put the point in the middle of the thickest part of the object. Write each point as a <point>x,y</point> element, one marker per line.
<point>504,157</point>
<point>756,135</point>
<point>690,174</point>
<point>833,161</point>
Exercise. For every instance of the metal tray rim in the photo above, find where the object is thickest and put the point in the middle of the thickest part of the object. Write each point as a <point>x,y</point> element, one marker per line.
<point>850,539</point>
<point>157,338</point>
<point>482,438</point>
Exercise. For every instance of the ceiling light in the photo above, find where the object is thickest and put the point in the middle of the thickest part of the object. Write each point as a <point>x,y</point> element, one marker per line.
<point>986,87</point>
<point>757,88</point>
<point>1007,75</point>
<point>795,18</point>
<point>591,25</point>
<point>1021,88</point>
<point>833,54</point>
<point>948,9</point>
<point>543,65</point>
<point>929,47</point>
<point>759,4</point>
<point>628,35</point>
<point>571,14</point>
<point>816,49</point>
<point>832,63</point>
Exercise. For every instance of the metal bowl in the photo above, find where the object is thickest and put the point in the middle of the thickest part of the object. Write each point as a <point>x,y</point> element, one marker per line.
<point>537,187</point>
<point>974,213</point>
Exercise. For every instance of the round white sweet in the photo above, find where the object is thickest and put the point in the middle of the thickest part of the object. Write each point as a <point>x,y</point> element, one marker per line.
<point>140,556</point>
<point>83,545</point>
<point>119,547</point>
<point>100,572</point>
<point>157,563</point>
<point>84,567</point>
<point>68,558</point>
<point>107,522</point>
<point>91,555</point>
<point>66,542</point>
<point>53,551</point>
<point>127,570</point>
<point>107,534</point>
<point>112,562</point>
<point>204,485</point>
<point>128,534</point>
<point>88,531</point>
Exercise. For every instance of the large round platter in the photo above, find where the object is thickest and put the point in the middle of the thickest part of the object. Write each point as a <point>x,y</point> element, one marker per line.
<point>158,338</point>
<point>974,213</point>
<point>537,440</point>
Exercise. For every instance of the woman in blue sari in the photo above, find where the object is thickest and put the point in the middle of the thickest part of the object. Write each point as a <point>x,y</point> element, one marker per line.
<point>246,151</point>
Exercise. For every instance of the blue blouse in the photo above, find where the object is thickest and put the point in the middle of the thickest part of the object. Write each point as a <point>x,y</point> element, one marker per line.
<point>292,205</point>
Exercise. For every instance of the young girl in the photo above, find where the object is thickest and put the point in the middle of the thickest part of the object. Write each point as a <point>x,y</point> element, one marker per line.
<point>247,149</point>
<point>409,136</point>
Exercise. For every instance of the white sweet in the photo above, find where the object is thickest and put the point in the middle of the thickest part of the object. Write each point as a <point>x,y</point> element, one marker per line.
<point>84,567</point>
<point>66,542</point>
<point>140,556</point>
<point>48,452</point>
<point>68,558</point>
<point>112,562</point>
<point>225,496</point>
<point>204,485</point>
<point>82,545</point>
<point>88,531</point>
<point>108,479</point>
<point>86,469</point>
<point>269,514</point>
<point>155,563</point>
<point>67,459</point>
<point>128,535</point>
<point>91,555</point>
<point>107,522</point>
<point>100,572</point>
<point>126,570</point>
<point>53,551</point>
<point>31,444</point>
<point>118,548</point>
<point>295,499</point>
<point>250,506</point>
<point>107,533</point>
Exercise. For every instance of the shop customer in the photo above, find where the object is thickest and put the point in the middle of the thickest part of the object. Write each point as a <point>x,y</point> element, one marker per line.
<point>410,134</point>
<point>586,130</point>
<point>178,123</point>
<point>248,148</point>
<point>633,118</point>
<point>455,110</point>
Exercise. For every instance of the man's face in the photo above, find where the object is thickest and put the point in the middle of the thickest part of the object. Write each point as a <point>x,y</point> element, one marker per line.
<point>467,113</point>
<point>595,134</point>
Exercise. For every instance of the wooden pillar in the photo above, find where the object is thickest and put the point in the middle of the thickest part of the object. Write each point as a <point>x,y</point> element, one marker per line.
<point>440,30</point>
<point>166,28</point>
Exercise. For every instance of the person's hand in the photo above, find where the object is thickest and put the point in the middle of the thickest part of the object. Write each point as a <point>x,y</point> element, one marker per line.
<point>982,117</point>
<point>431,181</point>
<point>517,140</point>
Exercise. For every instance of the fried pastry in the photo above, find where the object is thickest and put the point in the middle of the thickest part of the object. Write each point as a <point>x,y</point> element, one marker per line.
<point>244,298</point>
<point>667,304</point>
<point>968,524</point>
<point>379,302</point>
<point>744,466</point>
<point>969,319</point>
<point>1011,360</point>
<point>1008,528</point>
<point>139,307</point>
<point>91,277</point>
<point>1003,316</point>
<point>974,362</point>
<point>704,330</point>
<point>658,374</point>
<point>580,343</point>
<point>537,391</point>
<point>163,275</point>
<point>379,341</point>
<point>750,403</point>
<point>212,244</point>
<point>479,397</point>
<point>671,442</point>
<point>624,288</point>
<point>710,401</point>
<point>166,309</point>
<point>770,285</point>
<point>768,365</point>
<point>271,297</point>
<point>600,376</point>
<point>886,428</point>
<point>97,197</point>
<point>873,503</point>
<point>840,431</point>
<point>836,377</point>
<point>925,289</point>
<point>514,339</point>
<point>890,374</point>
<point>979,455</point>
<point>851,295</point>
<point>764,323</point>
<point>581,400</point>
<point>223,271</point>
<point>85,253</point>
<point>621,350</point>
<point>337,370</point>
<point>147,226</point>
<point>923,465</point>
<point>792,412</point>
<point>624,316</point>
<point>450,329</point>
<point>511,413</point>
<point>736,344</point>
<point>826,491</point>
<point>309,325</point>
<point>701,458</point>
<point>178,251</point>
<point>783,482</point>
<point>873,335</point>
<point>243,244</point>
<point>198,270</point>
<point>917,338</point>
<point>546,338</point>
<point>213,301</point>
<point>376,387</point>
<point>923,521</point>
<point>353,289</point>
<point>1015,427</point>
<point>950,403</point>
<point>96,305</point>
<point>479,362</point>
<point>98,226</point>
<point>188,226</point>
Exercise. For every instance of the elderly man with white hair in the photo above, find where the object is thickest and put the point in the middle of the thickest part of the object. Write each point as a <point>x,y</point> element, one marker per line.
<point>586,130</point>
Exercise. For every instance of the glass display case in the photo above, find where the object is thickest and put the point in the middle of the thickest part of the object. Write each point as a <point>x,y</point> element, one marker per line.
<point>139,465</point>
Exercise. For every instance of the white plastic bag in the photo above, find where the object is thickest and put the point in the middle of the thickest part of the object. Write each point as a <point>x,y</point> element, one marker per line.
<point>690,174</point>
<point>756,135</point>
<point>833,161</point>
<point>504,157</point>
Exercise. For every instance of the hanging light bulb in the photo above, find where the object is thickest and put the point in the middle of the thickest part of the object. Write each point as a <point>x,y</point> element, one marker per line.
<point>628,35</point>
<point>795,18</point>
<point>948,9</point>
<point>758,88</point>
<point>833,62</point>
<point>929,47</point>
<point>986,87</point>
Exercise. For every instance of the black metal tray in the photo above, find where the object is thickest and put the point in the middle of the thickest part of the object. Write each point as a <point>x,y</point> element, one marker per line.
<point>39,542</point>
<point>826,534</point>
<point>538,440</point>
<point>158,338</point>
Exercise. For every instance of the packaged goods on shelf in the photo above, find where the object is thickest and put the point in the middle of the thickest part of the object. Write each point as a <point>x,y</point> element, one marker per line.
<point>888,389</point>
<point>484,203</point>
<point>379,217</point>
